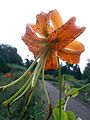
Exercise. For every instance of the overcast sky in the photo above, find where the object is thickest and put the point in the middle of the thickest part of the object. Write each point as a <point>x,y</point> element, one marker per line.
<point>15,14</point>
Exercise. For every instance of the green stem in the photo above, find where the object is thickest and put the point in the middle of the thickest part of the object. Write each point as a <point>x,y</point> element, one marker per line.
<point>23,76</point>
<point>22,93</point>
<point>60,89</point>
<point>68,97</point>
<point>35,81</point>
<point>44,86</point>
<point>35,76</point>
<point>43,81</point>
<point>17,93</point>
<point>84,86</point>
<point>65,106</point>
<point>28,99</point>
<point>81,88</point>
<point>40,62</point>
<point>37,72</point>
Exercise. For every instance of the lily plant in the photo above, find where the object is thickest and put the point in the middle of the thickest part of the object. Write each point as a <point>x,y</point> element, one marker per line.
<point>50,40</point>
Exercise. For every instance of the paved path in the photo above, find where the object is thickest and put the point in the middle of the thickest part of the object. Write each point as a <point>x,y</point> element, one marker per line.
<point>75,105</point>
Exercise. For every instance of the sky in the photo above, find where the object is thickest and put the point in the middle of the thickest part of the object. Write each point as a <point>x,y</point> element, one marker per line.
<point>15,14</point>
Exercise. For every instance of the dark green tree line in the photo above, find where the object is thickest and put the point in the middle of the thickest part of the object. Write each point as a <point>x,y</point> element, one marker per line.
<point>8,54</point>
<point>86,72</point>
<point>72,69</point>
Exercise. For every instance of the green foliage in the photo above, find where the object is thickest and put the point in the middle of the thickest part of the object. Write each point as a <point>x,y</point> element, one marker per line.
<point>78,83</point>
<point>16,67</point>
<point>73,92</point>
<point>72,69</point>
<point>49,77</point>
<point>8,54</point>
<point>36,104</point>
<point>28,63</point>
<point>56,114</point>
<point>71,115</point>
<point>67,86</point>
<point>4,68</point>
<point>65,115</point>
<point>68,77</point>
<point>84,94</point>
<point>52,72</point>
<point>67,69</point>
<point>86,73</point>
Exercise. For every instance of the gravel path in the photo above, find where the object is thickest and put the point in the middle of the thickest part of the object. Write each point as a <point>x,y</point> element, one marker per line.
<point>80,109</point>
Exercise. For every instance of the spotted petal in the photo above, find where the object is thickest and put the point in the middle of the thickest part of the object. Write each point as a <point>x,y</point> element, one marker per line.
<point>55,19</point>
<point>71,53</point>
<point>52,62</point>
<point>64,35</point>
<point>32,40</point>
<point>43,23</point>
<point>76,46</point>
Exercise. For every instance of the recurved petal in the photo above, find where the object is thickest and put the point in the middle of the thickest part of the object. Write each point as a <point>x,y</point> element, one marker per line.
<point>69,32</point>
<point>76,46</point>
<point>66,34</point>
<point>32,32</point>
<point>55,19</point>
<point>71,53</point>
<point>31,39</point>
<point>52,62</point>
<point>43,23</point>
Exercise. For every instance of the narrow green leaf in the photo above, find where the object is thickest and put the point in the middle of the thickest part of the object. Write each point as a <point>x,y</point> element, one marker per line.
<point>71,115</point>
<point>56,114</point>
<point>73,92</point>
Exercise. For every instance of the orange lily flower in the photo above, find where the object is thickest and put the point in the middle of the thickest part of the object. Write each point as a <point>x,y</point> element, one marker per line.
<point>50,31</point>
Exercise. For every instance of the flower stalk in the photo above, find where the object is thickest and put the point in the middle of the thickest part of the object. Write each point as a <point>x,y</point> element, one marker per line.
<point>60,89</point>
<point>44,86</point>
<point>37,73</point>
<point>43,81</point>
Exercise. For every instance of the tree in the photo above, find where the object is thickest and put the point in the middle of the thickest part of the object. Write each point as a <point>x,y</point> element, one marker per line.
<point>8,54</point>
<point>77,72</point>
<point>72,69</point>
<point>29,62</point>
<point>3,67</point>
<point>86,72</point>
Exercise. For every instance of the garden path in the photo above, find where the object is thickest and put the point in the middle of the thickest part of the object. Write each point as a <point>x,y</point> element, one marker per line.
<point>78,107</point>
